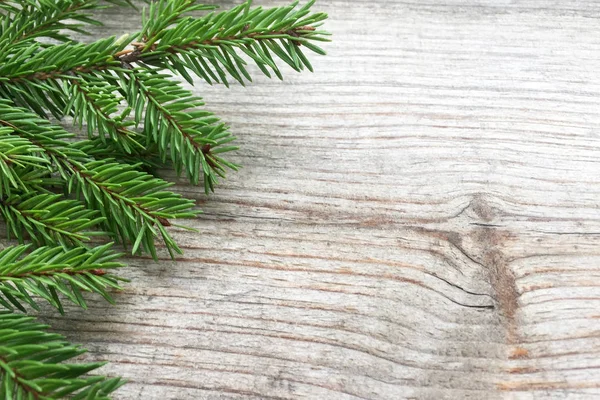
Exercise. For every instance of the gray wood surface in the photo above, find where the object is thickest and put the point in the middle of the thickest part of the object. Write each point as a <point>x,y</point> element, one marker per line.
<point>418,219</point>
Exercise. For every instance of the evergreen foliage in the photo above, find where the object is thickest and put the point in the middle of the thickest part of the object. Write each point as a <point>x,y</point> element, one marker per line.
<point>59,189</point>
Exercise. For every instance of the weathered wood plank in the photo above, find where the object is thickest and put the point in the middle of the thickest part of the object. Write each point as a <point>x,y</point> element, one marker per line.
<point>418,219</point>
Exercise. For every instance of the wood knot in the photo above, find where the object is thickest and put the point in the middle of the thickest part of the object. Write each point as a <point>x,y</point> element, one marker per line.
<point>482,208</point>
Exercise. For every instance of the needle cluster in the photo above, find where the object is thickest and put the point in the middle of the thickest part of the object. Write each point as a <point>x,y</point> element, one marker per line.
<point>68,198</point>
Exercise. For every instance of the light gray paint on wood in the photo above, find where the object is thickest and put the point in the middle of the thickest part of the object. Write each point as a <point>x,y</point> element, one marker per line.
<point>418,219</point>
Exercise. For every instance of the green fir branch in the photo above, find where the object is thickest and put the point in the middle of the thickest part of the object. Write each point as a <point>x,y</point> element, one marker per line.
<point>94,104</point>
<point>18,157</point>
<point>33,364</point>
<point>49,219</point>
<point>183,132</point>
<point>44,19</point>
<point>59,189</point>
<point>211,46</point>
<point>134,205</point>
<point>48,272</point>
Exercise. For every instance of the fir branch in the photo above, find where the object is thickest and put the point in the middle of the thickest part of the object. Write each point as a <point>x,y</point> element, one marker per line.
<point>49,271</point>
<point>61,61</point>
<point>134,204</point>
<point>142,159</point>
<point>193,43</point>
<point>163,14</point>
<point>32,364</point>
<point>93,103</point>
<point>42,19</point>
<point>57,190</point>
<point>210,43</point>
<point>49,138</point>
<point>192,137</point>
<point>184,133</point>
<point>17,156</point>
<point>48,219</point>
<point>32,76</point>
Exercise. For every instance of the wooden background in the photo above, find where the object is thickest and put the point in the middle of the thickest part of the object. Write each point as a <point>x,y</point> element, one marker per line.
<point>418,219</point>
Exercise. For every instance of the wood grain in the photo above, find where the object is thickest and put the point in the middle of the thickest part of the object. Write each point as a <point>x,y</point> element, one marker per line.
<point>420,218</point>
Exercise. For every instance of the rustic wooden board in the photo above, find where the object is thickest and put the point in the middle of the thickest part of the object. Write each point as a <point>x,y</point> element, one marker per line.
<point>420,218</point>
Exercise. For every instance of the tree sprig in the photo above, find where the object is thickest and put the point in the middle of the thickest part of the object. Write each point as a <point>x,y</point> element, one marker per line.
<point>85,129</point>
<point>32,364</point>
